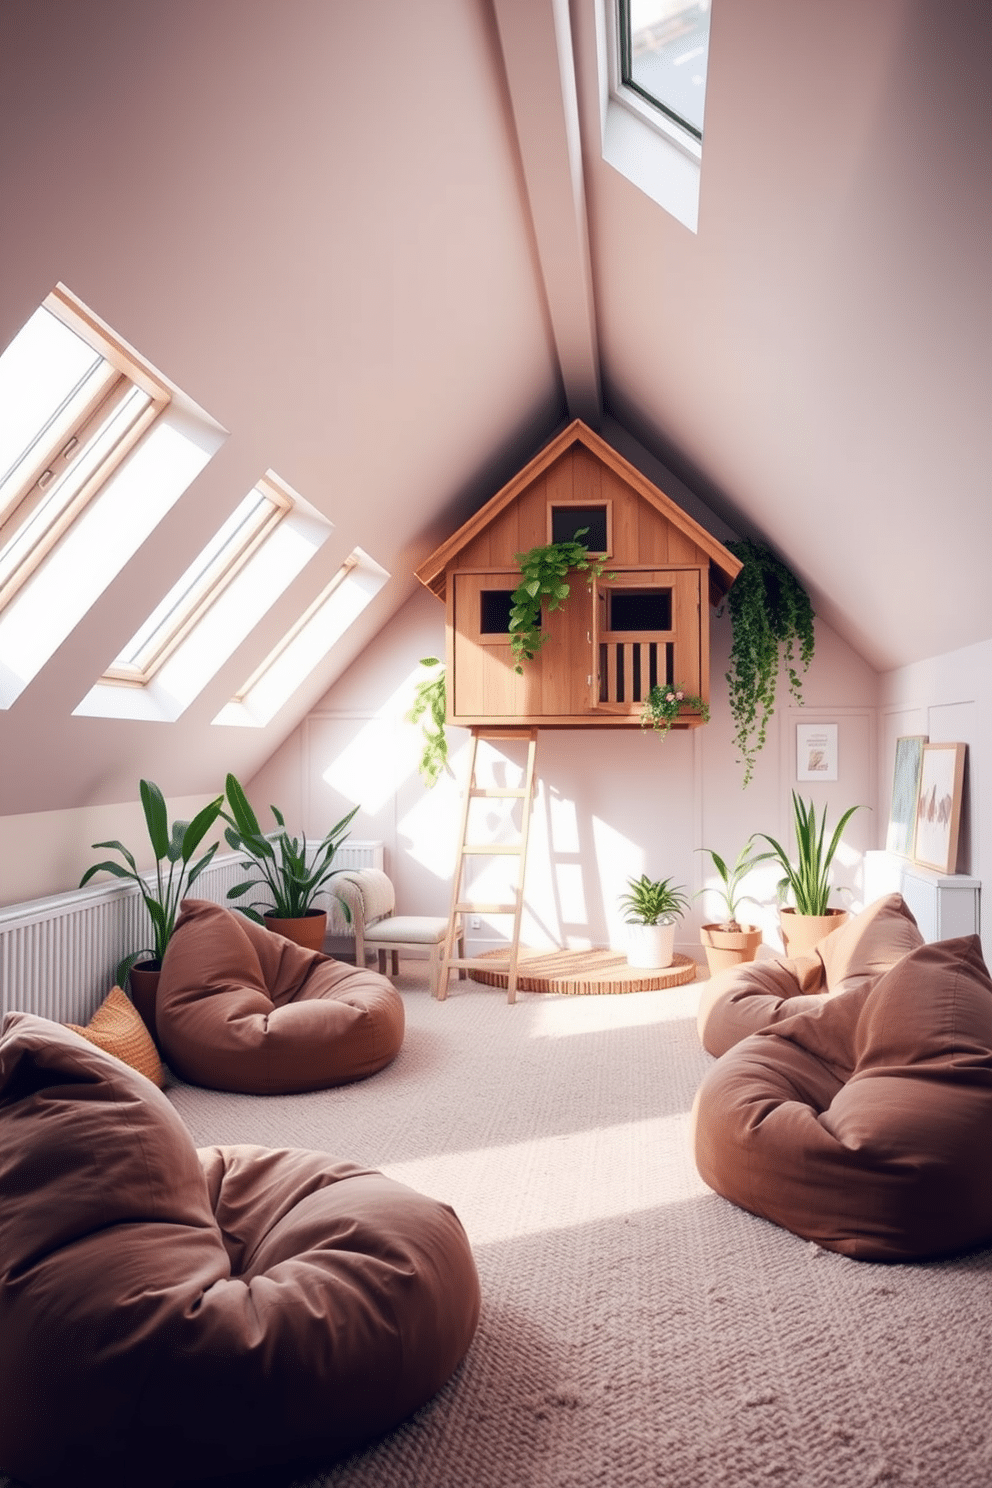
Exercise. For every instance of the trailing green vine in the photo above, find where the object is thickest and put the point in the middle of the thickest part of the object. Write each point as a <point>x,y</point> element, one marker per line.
<point>544,586</point>
<point>772,620</point>
<point>429,709</point>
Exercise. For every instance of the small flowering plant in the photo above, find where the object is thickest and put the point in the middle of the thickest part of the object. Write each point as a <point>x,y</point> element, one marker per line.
<point>664,704</point>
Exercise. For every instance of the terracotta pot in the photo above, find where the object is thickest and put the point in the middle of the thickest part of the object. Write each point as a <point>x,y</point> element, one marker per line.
<point>725,948</point>
<point>143,981</point>
<point>802,932</point>
<point>309,931</point>
<point>650,946</point>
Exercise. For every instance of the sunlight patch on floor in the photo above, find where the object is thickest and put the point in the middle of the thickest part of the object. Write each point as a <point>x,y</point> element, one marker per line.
<point>555,1183</point>
<point>561,1017</point>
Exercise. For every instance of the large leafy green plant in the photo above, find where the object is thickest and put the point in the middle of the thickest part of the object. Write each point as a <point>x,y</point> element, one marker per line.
<point>772,620</point>
<point>430,704</point>
<point>653,901</point>
<point>174,846</point>
<point>290,872</point>
<point>544,586</point>
<point>808,877</point>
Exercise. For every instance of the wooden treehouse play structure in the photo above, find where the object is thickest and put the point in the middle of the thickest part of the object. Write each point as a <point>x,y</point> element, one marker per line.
<point>643,622</point>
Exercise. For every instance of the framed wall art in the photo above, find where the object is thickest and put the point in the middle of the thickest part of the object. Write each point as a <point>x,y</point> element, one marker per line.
<point>816,751</point>
<point>905,794</point>
<point>938,809</point>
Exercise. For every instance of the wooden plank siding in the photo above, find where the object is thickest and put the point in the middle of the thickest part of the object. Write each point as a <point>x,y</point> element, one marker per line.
<point>652,544</point>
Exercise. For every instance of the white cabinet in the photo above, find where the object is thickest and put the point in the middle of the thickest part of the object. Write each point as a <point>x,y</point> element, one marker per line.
<point>945,905</point>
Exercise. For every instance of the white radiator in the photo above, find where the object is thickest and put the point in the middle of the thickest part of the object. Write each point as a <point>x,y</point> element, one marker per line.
<point>57,955</point>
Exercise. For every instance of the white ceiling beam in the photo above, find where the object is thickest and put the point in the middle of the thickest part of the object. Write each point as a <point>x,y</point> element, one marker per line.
<point>536,41</point>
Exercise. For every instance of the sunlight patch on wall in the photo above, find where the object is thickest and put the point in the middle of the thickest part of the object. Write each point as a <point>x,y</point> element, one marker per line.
<point>429,830</point>
<point>560,1182</point>
<point>618,858</point>
<point>373,766</point>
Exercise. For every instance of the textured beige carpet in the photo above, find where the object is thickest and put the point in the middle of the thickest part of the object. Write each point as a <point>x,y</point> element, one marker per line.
<point>636,1329</point>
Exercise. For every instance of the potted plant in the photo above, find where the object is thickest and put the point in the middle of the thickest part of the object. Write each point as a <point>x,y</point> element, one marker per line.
<point>663,705</point>
<point>174,846</point>
<point>772,621</point>
<point>810,918</point>
<point>728,942</point>
<point>289,871</point>
<point>652,908</point>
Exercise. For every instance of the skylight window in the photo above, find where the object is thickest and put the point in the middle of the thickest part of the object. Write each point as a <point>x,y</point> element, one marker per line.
<point>664,48</point>
<point>248,526</point>
<point>253,558</point>
<point>95,447</point>
<point>74,402</point>
<point>653,78</point>
<point>354,586</point>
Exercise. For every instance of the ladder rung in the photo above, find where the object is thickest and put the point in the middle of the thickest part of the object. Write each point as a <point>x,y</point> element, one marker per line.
<point>485,909</point>
<point>500,793</point>
<point>493,849</point>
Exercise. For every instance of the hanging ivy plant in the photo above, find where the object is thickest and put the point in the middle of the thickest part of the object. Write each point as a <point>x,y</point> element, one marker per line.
<point>430,703</point>
<point>544,586</point>
<point>772,620</point>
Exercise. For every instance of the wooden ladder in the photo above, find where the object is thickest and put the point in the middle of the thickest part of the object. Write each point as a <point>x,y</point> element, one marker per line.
<point>460,906</point>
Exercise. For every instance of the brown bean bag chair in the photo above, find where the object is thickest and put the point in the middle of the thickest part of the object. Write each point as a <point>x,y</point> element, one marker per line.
<point>240,1008</point>
<point>865,1124</point>
<point>744,999</point>
<point>169,1314</point>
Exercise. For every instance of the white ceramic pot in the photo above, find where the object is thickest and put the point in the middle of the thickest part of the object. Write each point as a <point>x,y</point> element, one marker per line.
<point>650,946</point>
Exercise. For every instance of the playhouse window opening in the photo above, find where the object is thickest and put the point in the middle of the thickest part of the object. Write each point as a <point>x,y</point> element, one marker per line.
<point>568,521</point>
<point>640,609</point>
<point>494,611</point>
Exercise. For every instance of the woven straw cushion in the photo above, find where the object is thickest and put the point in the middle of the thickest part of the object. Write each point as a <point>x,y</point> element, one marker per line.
<point>167,1314</point>
<point>745,999</point>
<point>865,1124</point>
<point>240,1008</point>
<point>117,1027</point>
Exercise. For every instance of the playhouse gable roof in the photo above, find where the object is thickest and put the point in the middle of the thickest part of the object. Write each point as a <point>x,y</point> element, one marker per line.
<point>724,567</point>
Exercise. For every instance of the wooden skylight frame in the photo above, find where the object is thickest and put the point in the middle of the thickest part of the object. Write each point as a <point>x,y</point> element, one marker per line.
<point>121,399</point>
<point>204,587</point>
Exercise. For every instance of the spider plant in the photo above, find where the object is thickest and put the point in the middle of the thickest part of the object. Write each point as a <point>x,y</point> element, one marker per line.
<point>731,879</point>
<point>653,901</point>
<point>808,878</point>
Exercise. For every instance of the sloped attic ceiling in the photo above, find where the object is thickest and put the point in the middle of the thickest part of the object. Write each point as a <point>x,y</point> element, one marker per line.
<point>381,247</point>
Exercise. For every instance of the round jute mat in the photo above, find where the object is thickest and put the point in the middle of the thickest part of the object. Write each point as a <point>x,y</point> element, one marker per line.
<point>583,973</point>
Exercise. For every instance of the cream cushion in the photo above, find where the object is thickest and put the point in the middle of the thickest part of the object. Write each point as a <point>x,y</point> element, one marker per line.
<point>414,930</point>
